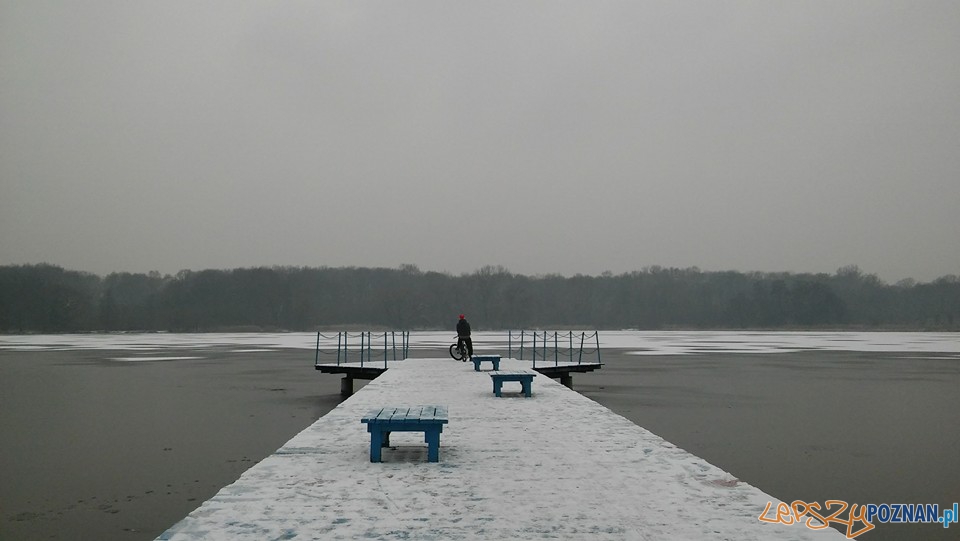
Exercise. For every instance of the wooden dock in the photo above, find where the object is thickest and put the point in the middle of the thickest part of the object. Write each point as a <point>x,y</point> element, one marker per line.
<point>555,466</point>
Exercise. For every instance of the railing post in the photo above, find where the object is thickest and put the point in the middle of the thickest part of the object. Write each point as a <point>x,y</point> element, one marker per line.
<point>556,349</point>
<point>316,357</point>
<point>362,337</point>
<point>597,334</point>
<point>534,349</point>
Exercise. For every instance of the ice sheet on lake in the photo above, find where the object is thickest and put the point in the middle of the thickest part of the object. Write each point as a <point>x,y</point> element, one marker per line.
<point>639,342</point>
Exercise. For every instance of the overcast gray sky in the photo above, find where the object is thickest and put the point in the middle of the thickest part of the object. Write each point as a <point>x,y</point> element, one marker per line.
<point>547,137</point>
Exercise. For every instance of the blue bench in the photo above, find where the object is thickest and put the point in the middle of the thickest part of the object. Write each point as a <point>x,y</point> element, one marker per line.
<point>525,377</point>
<point>492,359</point>
<point>427,419</point>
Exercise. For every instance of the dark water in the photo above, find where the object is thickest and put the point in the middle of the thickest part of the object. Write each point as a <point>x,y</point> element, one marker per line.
<point>865,428</point>
<point>95,448</point>
<point>108,450</point>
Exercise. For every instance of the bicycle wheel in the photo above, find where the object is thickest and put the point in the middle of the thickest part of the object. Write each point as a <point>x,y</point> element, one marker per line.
<point>455,353</point>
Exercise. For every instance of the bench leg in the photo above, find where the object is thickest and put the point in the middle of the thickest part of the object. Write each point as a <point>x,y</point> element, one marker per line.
<point>476,366</point>
<point>496,364</point>
<point>433,445</point>
<point>527,392</point>
<point>497,387</point>
<point>376,443</point>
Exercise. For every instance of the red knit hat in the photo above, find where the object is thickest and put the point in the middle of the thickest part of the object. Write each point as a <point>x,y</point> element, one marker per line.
<point>461,316</point>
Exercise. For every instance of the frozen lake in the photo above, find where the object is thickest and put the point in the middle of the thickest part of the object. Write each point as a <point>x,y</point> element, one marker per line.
<point>118,436</point>
<point>635,342</point>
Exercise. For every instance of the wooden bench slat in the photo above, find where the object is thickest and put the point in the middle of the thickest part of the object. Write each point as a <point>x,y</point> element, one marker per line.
<point>372,415</point>
<point>440,414</point>
<point>398,413</point>
<point>428,413</point>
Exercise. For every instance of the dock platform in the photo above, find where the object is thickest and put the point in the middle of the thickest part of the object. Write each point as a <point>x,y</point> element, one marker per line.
<point>553,466</point>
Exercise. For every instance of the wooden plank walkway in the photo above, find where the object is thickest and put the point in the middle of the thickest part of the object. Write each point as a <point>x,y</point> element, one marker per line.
<point>554,466</point>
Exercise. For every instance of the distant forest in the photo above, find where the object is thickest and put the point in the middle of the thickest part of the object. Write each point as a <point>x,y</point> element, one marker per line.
<point>48,298</point>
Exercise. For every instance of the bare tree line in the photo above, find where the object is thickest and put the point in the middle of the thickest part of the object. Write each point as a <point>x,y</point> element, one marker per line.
<point>48,298</point>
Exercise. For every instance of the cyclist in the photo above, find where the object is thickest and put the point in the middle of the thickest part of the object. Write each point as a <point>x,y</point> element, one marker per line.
<point>463,336</point>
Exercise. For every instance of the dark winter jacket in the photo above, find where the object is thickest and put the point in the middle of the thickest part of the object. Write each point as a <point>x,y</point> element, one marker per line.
<point>463,328</point>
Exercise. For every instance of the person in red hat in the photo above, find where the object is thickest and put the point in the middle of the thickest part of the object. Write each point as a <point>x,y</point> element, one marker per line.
<point>463,335</point>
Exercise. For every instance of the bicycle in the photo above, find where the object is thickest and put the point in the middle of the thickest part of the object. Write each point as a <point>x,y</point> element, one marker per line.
<point>458,350</point>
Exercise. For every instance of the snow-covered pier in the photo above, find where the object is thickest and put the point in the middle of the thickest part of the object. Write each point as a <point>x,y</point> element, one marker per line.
<point>556,465</point>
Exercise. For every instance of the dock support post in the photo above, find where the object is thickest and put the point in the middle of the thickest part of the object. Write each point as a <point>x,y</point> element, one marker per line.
<point>566,380</point>
<point>346,386</point>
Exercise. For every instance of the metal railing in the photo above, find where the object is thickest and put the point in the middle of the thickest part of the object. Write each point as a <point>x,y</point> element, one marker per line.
<point>546,345</point>
<point>362,345</point>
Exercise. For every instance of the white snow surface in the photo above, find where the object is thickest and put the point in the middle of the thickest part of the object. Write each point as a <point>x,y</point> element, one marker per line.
<point>554,466</point>
<point>640,342</point>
